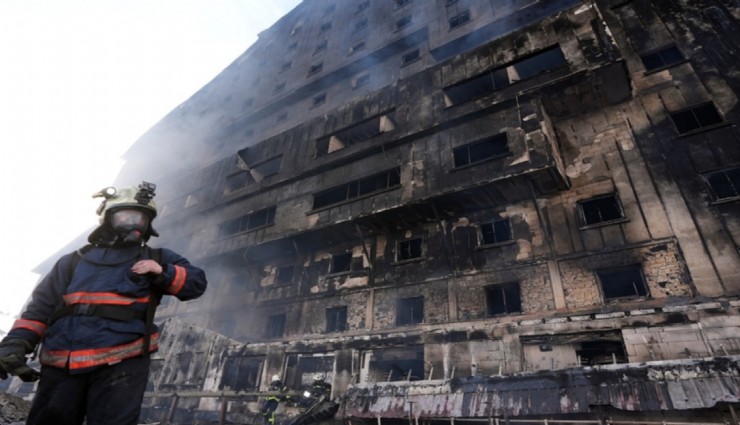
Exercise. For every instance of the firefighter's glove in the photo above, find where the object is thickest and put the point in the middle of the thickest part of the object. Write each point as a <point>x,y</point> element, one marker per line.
<point>13,360</point>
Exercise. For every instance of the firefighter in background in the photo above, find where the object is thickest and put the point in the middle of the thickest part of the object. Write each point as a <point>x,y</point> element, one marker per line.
<point>94,313</point>
<point>270,405</point>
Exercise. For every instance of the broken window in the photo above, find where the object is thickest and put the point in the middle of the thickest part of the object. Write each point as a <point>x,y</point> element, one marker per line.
<point>301,369</point>
<point>623,282</point>
<point>490,81</point>
<point>248,222</point>
<point>696,118</point>
<point>358,188</point>
<point>403,22</point>
<point>592,353</point>
<point>275,326</point>
<point>409,311</point>
<point>600,210</point>
<point>360,132</point>
<point>503,299</point>
<point>284,275</point>
<point>496,232</point>
<point>237,181</point>
<point>341,263</point>
<point>724,184</point>
<point>481,150</point>
<point>662,58</point>
<point>410,57</point>
<point>393,364</point>
<point>336,319</point>
<point>241,373</point>
<point>460,19</point>
<point>409,249</point>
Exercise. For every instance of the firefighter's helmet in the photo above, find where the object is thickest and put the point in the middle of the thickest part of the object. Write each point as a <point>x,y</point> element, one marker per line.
<point>140,198</point>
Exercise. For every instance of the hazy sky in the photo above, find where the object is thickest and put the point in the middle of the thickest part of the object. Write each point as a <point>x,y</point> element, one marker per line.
<point>80,81</point>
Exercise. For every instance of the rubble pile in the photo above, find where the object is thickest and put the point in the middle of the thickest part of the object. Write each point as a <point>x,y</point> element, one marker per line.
<point>13,409</point>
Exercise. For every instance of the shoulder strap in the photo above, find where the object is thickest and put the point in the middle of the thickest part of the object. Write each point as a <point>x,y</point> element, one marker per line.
<point>151,308</point>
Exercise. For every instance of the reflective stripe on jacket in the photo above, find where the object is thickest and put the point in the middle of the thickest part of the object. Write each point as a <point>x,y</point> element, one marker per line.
<point>102,277</point>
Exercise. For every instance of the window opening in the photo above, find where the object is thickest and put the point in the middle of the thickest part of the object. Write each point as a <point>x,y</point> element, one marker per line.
<point>238,181</point>
<point>357,47</point>
<point>481,150</point>
<point>403,22</point>
<point>497,79</point>
<point>326,26</point>
<point>696,118</point>
<point>662,58</point>
<point>593,353</point>
<point>503,299</point>
<point>275,326</point>
<point>286,66</point>
<point>279,87</point>
<point>622,282</point>
<point>284,275</point>
<point>409,249</point>
<point>603,209</point>
<point>724,184</point>
<point>358,188</point>
<point>321,46</point>
<point>460,19</point>
<point>394,364</point>
<point>266,169</point>
<point>253,221</point>
<point>410,57</point>
<point>241,374</point>
<point>402,3</point>
<point>336,319</point>
<point>410,311</point>
<point>317,67</point>
<point>318,100</point>
<point>496,232</point>
<point>301,369</point>
<point>357,133</point>
<point>361,80</point>
<point>341,263</point>
<point>363,6</point>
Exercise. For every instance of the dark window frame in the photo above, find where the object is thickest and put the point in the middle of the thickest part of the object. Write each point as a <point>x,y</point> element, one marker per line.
<point>336,319</point>
<point>459,20</point>
<point>408,312</point>
<point>282,271</point>
<point>403,22</point>
<point>410,57</point>
<point>662,58</point>
<point>496,230</point>
<point>609,277</point>
<point>730,183</point>
<point>409,250</point>
<point>343,262</point>
<point>318,100</point>
<point>248,222</point>
<point>353,190</point>
<point>586,211</point>
<point>275,326</point>
<point>699,114</point>
<point>503,299</point>
<point>471,154</point>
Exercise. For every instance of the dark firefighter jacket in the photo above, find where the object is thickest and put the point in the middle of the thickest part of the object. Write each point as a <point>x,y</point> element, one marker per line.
<point>102,276</point>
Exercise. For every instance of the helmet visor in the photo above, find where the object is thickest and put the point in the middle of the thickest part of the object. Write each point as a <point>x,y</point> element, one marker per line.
<point>130,218</point>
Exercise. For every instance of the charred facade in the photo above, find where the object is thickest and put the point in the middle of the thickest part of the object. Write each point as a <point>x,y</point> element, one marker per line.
<point>463,210</point>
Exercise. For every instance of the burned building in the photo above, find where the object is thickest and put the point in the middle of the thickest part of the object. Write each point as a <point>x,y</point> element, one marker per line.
<point>462,210</point>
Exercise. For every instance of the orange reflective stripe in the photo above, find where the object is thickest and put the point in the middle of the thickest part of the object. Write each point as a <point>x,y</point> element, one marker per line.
<point>37,327</point>
<point>101,298</point>
<point>179,281</point>
<point>80,359</point>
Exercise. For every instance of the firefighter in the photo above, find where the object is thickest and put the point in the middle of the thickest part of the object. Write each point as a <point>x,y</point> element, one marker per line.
<point>94,312</point>
<point>270,405</point>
